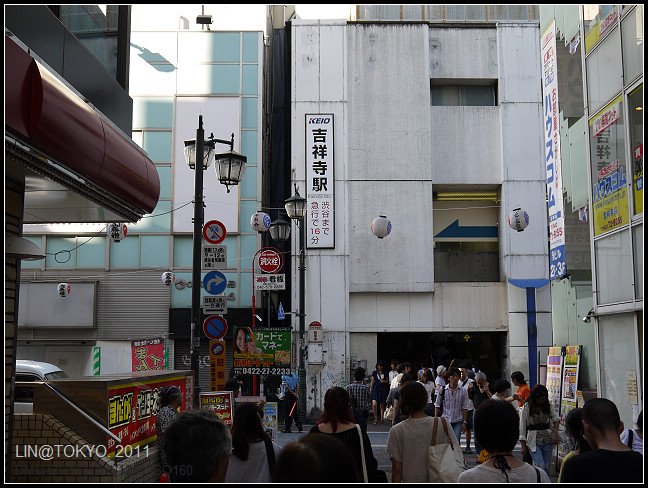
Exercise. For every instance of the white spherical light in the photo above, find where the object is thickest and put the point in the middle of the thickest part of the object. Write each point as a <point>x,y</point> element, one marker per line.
<point>260,221</point>
<point>518,219</point>
<point>167,278</point>
<point>381,227</point>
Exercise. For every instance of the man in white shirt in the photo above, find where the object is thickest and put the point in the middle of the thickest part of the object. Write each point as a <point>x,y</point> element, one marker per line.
<point>468,384</point>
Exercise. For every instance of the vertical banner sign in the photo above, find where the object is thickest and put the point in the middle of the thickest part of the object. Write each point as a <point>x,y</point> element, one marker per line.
<point>320,182</point>
<point>216,365</point>
<point>96,360</point>
<point>607,153</point>
<point>147,354</point>
<point>271,419</point>
<point>570,379</point>
<point>557,266</point>
<point>554,376</point>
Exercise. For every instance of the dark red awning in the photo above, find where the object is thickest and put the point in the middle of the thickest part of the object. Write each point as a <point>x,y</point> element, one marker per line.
<point>43,111</point>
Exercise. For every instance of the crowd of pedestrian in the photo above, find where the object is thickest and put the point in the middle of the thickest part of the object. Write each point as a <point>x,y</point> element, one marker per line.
<point>424,439</point>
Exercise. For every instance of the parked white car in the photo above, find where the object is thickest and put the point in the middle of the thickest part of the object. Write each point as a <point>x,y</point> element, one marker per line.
<point>28,370</point>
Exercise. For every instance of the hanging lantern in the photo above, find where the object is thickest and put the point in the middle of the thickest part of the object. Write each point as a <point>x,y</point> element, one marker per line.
<point>518,219</point>
<point>167,278</point>
<point>64,289</point>
<point>260,221</point>
<point>381,227</point>
<point>117,232</point>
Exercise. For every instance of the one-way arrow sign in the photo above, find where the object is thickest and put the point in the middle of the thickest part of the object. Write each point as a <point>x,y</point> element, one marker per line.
<point>454,230</point>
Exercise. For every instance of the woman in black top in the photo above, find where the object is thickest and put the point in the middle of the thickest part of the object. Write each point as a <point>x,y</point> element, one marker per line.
<point>337,420</point>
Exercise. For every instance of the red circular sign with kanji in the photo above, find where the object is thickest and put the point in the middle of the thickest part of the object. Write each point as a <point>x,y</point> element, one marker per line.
<point>270,260</point>
<point>214,232</point>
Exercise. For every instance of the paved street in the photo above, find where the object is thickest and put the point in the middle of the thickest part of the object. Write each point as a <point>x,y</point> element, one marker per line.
<point>378,436</point>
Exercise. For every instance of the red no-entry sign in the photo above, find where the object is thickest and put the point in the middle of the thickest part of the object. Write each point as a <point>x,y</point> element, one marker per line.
<point>214,232</point>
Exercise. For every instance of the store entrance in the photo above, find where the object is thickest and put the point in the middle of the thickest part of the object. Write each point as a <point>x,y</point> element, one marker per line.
<point>486,350</point>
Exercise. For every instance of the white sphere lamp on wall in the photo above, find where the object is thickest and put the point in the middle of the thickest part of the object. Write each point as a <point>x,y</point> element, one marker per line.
<point>518,219</point>
<point>381,227</point>
<point>260,221</point>
<point>168,278</point>
<point>64,289</point>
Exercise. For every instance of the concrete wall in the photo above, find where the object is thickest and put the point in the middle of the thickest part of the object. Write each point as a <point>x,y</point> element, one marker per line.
<point>448,48</point>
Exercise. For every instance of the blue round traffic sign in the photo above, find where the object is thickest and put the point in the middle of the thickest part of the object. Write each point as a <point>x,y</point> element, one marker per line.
<point>215,282</point>
<point>215,327</point>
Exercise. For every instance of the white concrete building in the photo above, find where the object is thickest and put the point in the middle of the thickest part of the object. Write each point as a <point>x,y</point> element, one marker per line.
<point>437,127</point>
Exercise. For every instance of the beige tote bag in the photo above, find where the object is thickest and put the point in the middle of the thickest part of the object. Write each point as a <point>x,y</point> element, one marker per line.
<point>445,461</point>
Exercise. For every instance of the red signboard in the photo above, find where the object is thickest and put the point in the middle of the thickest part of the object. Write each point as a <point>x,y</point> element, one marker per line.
<point>147,354</point>
<point>133,408</point>
<point>270,260</point>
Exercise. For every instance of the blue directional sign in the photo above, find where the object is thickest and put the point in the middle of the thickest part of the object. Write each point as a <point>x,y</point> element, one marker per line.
<point>474,231</point>
<point>280,313</point>
<point>215,282</point>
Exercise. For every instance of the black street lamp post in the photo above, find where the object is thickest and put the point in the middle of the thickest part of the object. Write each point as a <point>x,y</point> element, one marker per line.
<point>229,167</point>
<point>296,209</point>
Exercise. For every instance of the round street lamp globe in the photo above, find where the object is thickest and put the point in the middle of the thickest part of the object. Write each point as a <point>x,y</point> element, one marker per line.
<point>381,227</point>
<point>518,219</point>
<point>260,221</point>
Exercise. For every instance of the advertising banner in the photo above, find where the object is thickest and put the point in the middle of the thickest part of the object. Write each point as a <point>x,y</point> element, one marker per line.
<point>219,402</point>
<point>570,379</point>
<point>271,419</point>
<point>133,407</point>
<point>554,376</point>
<point>553,165</point>
<point>216,364</point>
<point>147,354</point>
<point>262,351</point>
<point>610,189</point>
<point>320,182</point>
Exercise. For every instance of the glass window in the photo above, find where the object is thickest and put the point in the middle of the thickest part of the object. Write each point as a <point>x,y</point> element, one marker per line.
<point>158,221</point>
<point>604,72</point>
<point>158,145</point>
<point>154,252</point>
<point>249,183</point>
<point>125,254</point>
<point>249,113</point>
<point>462,95</point>
<point>250,79</point>
<point>250,47</point>
<point>91,253</point>
<point>60,252</point>
<point>249,145</point>
<point>637,248</point>
<point>635,112</point>
<point>632,38</point>
<point>614,268</point>
<point>152,113</point>
<point>598,21</point>
<point>164,173</point>
<point>183,252</point>
<point>209,79</point>
<point>609,173</point>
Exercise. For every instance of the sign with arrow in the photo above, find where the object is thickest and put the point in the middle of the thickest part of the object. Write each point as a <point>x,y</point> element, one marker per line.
<point>281,315</point>
<point>460,232</point>
<point>215,282</point>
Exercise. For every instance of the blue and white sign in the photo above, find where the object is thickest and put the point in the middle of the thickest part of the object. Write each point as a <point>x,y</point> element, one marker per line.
<point>557,266</point>
<point>281,315</point>
<point>215,282</point>
<point>215,327</point>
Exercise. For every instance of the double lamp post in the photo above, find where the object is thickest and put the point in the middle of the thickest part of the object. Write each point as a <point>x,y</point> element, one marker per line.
<point>229,168</point>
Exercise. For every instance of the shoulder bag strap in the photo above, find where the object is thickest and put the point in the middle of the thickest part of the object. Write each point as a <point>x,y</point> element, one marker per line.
<point>537,474</point>
<point>271,456</point>
<point>362,455</point>
<point>434,431</point>
<point>445,429</point>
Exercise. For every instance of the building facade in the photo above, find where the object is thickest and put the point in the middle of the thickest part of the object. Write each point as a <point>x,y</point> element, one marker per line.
<point>405,120</point>
<point>598,302</point>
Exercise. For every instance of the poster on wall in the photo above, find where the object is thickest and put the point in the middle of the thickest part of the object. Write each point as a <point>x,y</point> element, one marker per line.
<point>554,376</point>
<point>217,352</point>
<point>264,351</point>
<point>609,178</point>
<point>320,182</point>
<point>147,354</point>
<point>553,165</point>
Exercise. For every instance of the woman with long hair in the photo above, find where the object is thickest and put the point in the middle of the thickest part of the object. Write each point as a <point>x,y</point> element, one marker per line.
<point>427,380</point>
<point>379,388</point>
<point>253,453</point>
<point>574,431</point>
<point>337,420</point>
<point>539,427</point>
